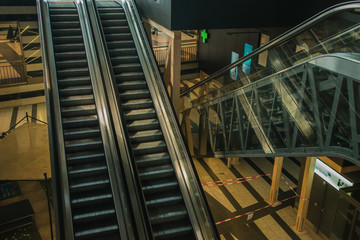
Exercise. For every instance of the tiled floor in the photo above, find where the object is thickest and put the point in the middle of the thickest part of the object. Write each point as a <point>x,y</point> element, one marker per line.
<point>228,201</point>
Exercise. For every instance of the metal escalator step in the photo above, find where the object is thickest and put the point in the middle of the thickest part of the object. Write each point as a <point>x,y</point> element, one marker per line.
<point>128,51</point>
<point>99,230</point>
<point>175,230</point>
<point>91,198</point>
<point>116,29</point>
<point>64,17</point>
<point>137,104</point>
<point>124,59</point>
<point>142,125</point>
<point>82,133</point>
<point>167,214</point>
<point>55,10</point>
<point>78,111</point>
<point>162,199</point>
<point>83,146</point>
<point>71,55</point>
<point>74,123</point>
<point>67,32</point>
<point>118,36</point>
<point>85,157</point>
<point>140,114</point>
<point>159,185</point>
<point>132,85</point>
<point>73,72</point>
<point>151,173</point>
<point>152,160</point>
<point>134,94</point>
<point>67,39</point>
<point>65,24</point>
<point>74,81</point>
<point>146,136</point>
<point>149,148</point>
<point>77,63</point>
<point>130,76</point>
<point>83,170</point>
<point>113,16</point>
<point>119,22</point>
<point>127,67</point>
<point>94,214</point>
<point>91,183</point>
<point>76,90</point>
<point>77,100</point>
<point>69,47</point>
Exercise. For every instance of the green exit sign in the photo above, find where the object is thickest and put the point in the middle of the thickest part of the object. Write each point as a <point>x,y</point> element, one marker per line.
<point>204,36</point>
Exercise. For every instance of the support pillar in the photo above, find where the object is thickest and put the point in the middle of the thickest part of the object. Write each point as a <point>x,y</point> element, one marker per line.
<point>305,192</point>
<point>276,177</point>
<point>175,70</point>
<point>188,132</point>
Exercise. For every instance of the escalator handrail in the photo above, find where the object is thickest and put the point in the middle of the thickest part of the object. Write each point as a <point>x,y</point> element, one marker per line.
<point>278,40</point>
<point>194,198</point>
<point>63,217</point>
<point>123,143</point>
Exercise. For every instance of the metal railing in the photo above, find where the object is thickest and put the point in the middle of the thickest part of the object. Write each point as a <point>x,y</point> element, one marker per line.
<point>189,53</point>
<point>14,73</point>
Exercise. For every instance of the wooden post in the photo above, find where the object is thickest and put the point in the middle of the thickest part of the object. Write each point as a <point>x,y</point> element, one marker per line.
<point>189,132</point>
<point>275,182</point>
<point>305,193</point>
<point>175,70</point>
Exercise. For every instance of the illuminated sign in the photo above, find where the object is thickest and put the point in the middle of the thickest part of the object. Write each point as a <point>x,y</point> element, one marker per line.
<point>246,65</point>
<point>331,176</point>
<point>204,35</point>
<point>234,71</point>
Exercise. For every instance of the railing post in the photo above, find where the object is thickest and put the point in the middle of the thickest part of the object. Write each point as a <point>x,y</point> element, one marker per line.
<point>27,117</point>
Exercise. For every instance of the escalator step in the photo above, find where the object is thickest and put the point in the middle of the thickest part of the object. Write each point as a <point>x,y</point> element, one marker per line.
<point>149,148</point>
<point>124,59</point>
<point>78,111</point>
<point>91,198</point>
<point>130,76</point>
<point>137,104</point>
<point>77,63</point>
<point>131,85</point>
<point>71,55</point>
<point>74,81</point>
<point>84,170</point>
<point>146,136</point>
<point>167,214</point>
<point>77,100</point>
<point>64,17</point>
<point>69,47</point>
<point>116,29</point>
<point>152,160</point>
<point>118,36</point>
<point>151,173</point>
<point>93,214</point>
<point>111,9</point>
<point>85,146</point>
<point>159,185</point>
<point>116,52</point>
<point>157,200</point>
<point>73,72</point>
<point>62,11</point>
<point>67,32</point>
<point>127,67</point>
<point>74,123</point>
<point>84,158</point>
<point>87,133</point>
<point>76,90</point>
<point>134,94</point>
<point>65,24</point>
<point>142,125</point>
<point>91,183</point>
<point>140,114</point>
<point>113,16</point>
<point>175,230</point>
<point>67,39</point>
<point>99,230</point>
<point>119,22</point>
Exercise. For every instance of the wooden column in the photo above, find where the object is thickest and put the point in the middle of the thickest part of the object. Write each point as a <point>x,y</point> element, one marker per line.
<point>188,132</point>
<point>305,193</point>
<point>276,177</point>
<point>175,70</point>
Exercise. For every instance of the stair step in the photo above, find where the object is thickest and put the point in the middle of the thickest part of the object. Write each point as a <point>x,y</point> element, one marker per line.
<point>74,123</point>
<point>119,51</point>
<point>101,230</point>
<point>91,183</point>
<point>124,59</point>
<point>152,160</point>
<point>110,9</point>
<point>67,47</point>
<point>77,100</point>
<point>134,94</point>
<point>74,81</point>
<point>122,22</point>
<point>132,85</point>
<point>64,17</point>
<point>129,76</point>
<point>118,36</point>
<point>87,133</point>
<point>149,148</point>
<point>78,111</point>
<point>162,199</point>
<point>91,198</point>
<point>94,214</point>
<point>85,146</point>
<point>159,185</point>
<point>151,173</point>
<point>77,63</point>
<point>146,136</point>
<point>137,104</point>
<point>71,55</point>
<point>85,158</point>
<point>167,214</point>
<point>55,10</point>
<point>127,67</point>
<point>65,24</point>
<point>73,72</point>
<point>113,16</point>
<point>140,114</point>
<point>175,230</point>
<point>67,39</point>
<point>67,32</point>
<point>142,125</point>
<point>76,90</point>
<point>116,29</point>
<point>85,170</point>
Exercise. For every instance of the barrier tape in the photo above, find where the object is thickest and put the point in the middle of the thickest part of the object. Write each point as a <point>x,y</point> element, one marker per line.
<point>294,190</point>
<point>233,181</point>
<point>248,213</point>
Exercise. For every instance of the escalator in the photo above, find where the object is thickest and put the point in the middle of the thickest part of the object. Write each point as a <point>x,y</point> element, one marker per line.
<point>164,202</point>
<point>86,199</point>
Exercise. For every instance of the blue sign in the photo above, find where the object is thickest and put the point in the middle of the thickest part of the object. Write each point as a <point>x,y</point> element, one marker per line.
<point>234,71</point>
<point>247,64</point>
